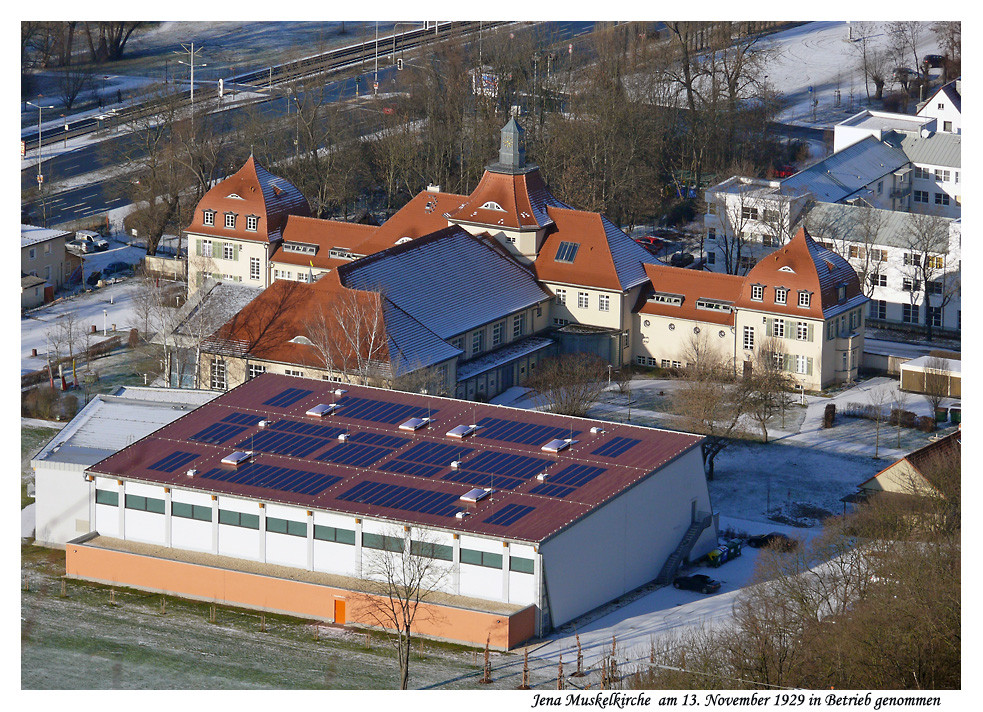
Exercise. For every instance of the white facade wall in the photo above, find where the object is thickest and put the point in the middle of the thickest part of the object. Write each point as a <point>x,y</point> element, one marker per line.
<point>626,541</point>
<point>239,541</point>
<point>288,549</point>
<point>482,581</point>
<point>192,534</point>
<point>944,180</point>
<point>948,118</point>
<point>523,587</point>
<point>143,526</point>
<point>217,266</point>
<point>332,557</point>
<point>664,341</point>
<point>62,502</point>
<point>108,520</point>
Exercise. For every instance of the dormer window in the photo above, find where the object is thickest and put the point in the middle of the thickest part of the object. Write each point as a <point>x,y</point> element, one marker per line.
<point>805,299</point>
<point>252,223</point>
<point>230,220</point>
<point>492,205</point>
<point>208,218</point>
<point>758,292</point>
<point>781,295</point>
<point>841,293</point>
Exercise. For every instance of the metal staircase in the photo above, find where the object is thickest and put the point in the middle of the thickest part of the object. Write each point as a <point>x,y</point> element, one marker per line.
<point>677,557</point>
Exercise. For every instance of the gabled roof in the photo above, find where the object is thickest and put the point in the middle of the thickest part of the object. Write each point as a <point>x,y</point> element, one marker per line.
<point>846,172</point>
<point>30,280</point>
<point>326,235</point>
<point>692,285</point>
<point>606,258</point>
<point>839,221</point>
<point>252,190</point>
<point>950,92</point>
<point>449,281</point>
<point>32,234</point>
<point>802,264</point>
<point>932,462</point>
<point>421,216</point>
<point>939,148</point>
<point>516,201</point>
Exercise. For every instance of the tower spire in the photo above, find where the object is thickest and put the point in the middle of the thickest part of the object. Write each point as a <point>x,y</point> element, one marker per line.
<point>512,152</point>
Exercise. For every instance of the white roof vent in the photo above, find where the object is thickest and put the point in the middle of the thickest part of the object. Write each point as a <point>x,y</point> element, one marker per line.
<point>191,473</point>
<point>461,431</point>
<point>237,458</point>
<point>597,430</point>
<point>476,495</point>
<point>925,133</point>
<point>343,437</point>
<point>414,423</point>
<point>557,445</point>
<point>462,514</point>
<point>264,423</point>
<point>455,464</point>
<point>322,409</point>
<point>542,476</point>
<point>340,391</point>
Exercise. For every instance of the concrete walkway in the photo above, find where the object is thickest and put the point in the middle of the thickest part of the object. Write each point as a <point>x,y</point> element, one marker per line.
<point>37,423</point>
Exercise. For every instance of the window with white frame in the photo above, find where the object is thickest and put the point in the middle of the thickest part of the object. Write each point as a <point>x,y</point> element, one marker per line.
<point>561,296</point>
<point>498,333</point>
<point>746,262</point>
<point>208,217</point>
<point>206,248</point>
<point>230,220</point>
<point>910,285</point>
<point>941,198</point>
<point>802,331</point>
<point>878,255</point>
<point>217,373</point>
<point>922,173</point>
<point>912,258</point>
<point>935,316</point>
<point>878,309</point>
<point>919,196</point>
<point>934,287</point>
<point>477,342</point>
<point>254,369</point>
<point>781,295</point>
<point>941,174</point>
<point>583,300</point>
<point>711,233</point>
<point>909,313</point>
<point>252,222</point>
<point>758,292</point>
<point>604,302</point>
<point>801,364</point>
<point>254,268</point>
<point>711,258</point>
<point>805,299</point>
<point>293,372</point>
<point>935,261</point>
<point>748,337</point>
<point>779,358</point>
<point>228,251</point>
<point>778,328</point>
<point>878,280</point>
<point>518,325</point>
<point>749,213</point>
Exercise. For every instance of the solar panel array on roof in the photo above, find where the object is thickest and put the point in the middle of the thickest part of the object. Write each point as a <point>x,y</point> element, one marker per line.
<point>296,426</point>
<point>175,461</point>
<point>435,453</point>
<point>576,475</point>
<point>284,443</point>
<point>509,514</point>
<point>411,499</point>
<point>503,463</point>
<point>549,490</point>
<point>616,447</point>
<point>240,418</point>
<point>377,439</point>
<point>218,433</point>
<point>524,433</point>
<point>285,399</point>
<point>254,474</point>
<point>354,454</point>
<point>379,411</point>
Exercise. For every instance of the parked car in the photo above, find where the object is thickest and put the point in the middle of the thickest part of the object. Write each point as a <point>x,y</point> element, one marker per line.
<point>93,278</point>
<point>902,74</point>
<point>91,241</point>
<point>933,60</point>
<point>651,243</point>
<point>116,269</point>
<point>775,540</point>
<point>785,171</point>
<point>696,582</point>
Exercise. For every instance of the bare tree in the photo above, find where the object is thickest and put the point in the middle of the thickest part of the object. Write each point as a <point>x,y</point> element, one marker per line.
<point>900,402</point>
<point>937,381</point>
<point>877,398</point>
<point>736,216</point>
<point>72,81</point>
<point>347,330</point>
<point>569,384</point>
<point>863,34</point>
<point>108,39</point>
<point>769,384</point>
<point>948,36</point>
<point>401,575</point>
<point>926,241</point>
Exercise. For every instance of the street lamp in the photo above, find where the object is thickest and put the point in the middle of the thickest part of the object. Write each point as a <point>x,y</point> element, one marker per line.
<point>39,107</point>
<point>191,52</point>
<point>104,331</point>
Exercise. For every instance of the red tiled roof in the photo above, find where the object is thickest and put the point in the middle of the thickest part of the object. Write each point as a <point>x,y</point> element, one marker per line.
<point>800,265</point>
<point>547,516</point>
<point>693,285</point>
<point>423,215</point>
<point>523,199</point>
<point>252,190</point>
<point>326,234</point>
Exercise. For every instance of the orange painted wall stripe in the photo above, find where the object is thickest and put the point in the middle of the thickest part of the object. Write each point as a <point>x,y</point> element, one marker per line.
<point>299,598</point>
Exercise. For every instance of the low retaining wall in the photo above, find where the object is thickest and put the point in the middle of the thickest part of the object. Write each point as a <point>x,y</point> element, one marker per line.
<point>296,598</point>
<point>170,267</point>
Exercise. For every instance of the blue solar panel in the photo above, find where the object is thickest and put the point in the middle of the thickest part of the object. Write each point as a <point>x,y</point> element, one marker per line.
<point>287,398</point>
<point>483,479</point>
<point>508,514</point>
<point>283,443</point>
<point>548,490</point>
<point>240,418</point>
<point>380,411</point>
<point>255,474</point>
<point>435,453</point>
<point>296,426</point>
<point>378,439</point>
<point>576,475</point>
<point>411,468</point>
<point>616,447</point>
<point>172,462</point>
<point>218,433</point>
<point>410,499</point>
<point>524,433</point>
<point>354,454</point>
<point>503,463</point>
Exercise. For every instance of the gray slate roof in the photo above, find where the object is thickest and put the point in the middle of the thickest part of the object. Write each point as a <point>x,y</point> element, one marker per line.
<point>628,256</point>
<point>449,281</point>
<point>281,197</point>
<point>847,171</point>
<point>937,149</point>
<point>517,349</point>
<point>411,344</point>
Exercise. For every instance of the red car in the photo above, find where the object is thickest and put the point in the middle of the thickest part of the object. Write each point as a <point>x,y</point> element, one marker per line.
<point>784,171</point>
<point>650,242</point>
